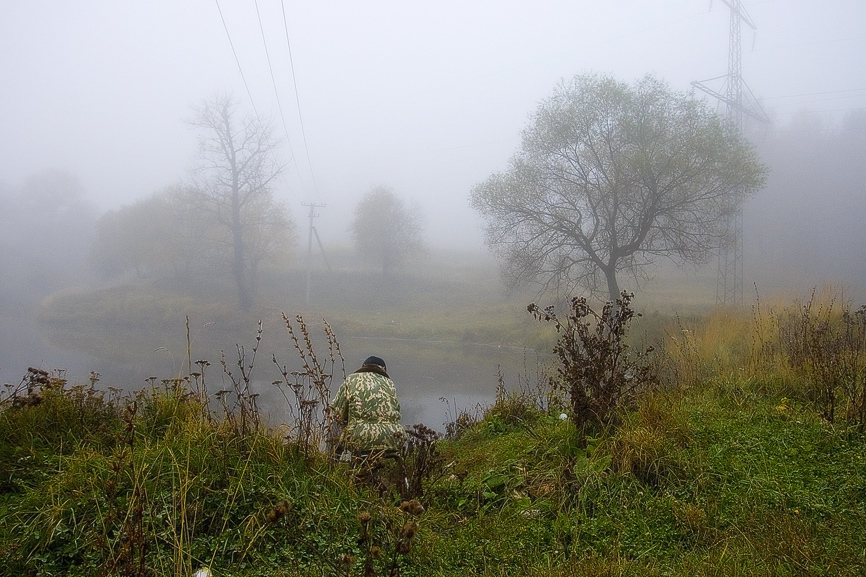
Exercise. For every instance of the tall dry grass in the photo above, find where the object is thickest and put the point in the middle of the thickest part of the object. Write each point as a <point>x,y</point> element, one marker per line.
<point>812,349</point>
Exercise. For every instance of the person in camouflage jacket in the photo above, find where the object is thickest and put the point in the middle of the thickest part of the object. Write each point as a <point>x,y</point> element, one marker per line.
<point>366,406</point>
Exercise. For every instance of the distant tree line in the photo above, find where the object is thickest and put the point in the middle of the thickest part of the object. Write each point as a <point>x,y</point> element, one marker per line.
<point>225,220</point>
<point>806,228</point>
<point>46,228</point>
<point>609,177</point>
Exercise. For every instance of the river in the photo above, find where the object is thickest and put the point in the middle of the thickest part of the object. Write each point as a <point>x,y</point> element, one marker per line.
<point>435,380</point>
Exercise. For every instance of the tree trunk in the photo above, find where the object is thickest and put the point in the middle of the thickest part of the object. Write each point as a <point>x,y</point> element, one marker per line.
<point>245,299</point>
<point>612,285</point>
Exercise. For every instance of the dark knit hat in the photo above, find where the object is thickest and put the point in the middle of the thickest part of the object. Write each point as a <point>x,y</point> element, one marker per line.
<point>375,361</point>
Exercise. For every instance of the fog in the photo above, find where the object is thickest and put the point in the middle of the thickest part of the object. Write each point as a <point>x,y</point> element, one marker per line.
<point>805,228</point>
<point>428,100</point>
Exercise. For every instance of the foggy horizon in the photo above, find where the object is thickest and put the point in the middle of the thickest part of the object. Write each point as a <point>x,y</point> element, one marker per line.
<point>428,100</point>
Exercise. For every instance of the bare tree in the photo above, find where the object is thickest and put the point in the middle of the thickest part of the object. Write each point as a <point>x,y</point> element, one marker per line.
<point>232,182</point>
<point>385,230</point>
<point>608,178</point>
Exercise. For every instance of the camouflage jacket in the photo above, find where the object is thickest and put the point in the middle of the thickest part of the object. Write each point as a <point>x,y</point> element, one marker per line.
<point>367,407</point>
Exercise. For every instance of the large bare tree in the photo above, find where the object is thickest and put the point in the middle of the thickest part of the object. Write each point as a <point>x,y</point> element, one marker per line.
<point>608,178</point>
<point>237,167</point>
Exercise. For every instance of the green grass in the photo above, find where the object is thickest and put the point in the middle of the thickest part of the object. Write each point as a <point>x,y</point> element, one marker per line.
<point>453,298</point>
<point>722,480</point>
<point>728,470</point>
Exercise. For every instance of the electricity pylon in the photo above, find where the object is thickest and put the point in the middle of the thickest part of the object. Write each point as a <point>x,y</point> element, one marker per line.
<point>739,101</point>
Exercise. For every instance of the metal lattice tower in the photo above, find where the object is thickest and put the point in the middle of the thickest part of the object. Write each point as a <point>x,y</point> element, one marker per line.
<point>739,101</point>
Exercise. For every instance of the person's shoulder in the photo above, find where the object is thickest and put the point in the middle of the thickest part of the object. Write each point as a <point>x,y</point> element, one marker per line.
<point>371,380</point>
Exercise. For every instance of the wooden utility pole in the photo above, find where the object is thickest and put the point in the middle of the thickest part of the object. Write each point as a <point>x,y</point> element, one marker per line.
<point>311,231</point>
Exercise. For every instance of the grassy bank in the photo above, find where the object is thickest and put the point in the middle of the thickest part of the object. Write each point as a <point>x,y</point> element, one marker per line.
<point>732,467</point>
<point>446,298</point>
<point>450,297</point>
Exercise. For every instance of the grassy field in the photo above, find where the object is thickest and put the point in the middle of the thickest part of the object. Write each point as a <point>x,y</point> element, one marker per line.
<point>455,298</point>
<point>734,465</point>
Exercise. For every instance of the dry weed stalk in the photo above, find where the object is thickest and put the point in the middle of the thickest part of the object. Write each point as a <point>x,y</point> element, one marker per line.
<point>313,425</point>
<point>239,402</point>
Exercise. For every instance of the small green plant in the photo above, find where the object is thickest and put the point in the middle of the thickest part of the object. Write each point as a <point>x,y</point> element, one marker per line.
<point>513,408</point>
<point>385,549</point>
<point>461,420</point>
<point>596,368</point>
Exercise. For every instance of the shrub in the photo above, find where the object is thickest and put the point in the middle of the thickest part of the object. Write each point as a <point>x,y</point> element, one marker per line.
<point>422,462</point>
<point>598,372</point>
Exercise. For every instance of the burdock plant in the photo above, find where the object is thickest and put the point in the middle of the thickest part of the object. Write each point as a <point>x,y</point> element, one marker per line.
<point>398,539</point>
<point>597,370</point>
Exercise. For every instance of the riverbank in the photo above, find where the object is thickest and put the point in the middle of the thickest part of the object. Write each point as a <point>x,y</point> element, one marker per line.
<point>731,468</point>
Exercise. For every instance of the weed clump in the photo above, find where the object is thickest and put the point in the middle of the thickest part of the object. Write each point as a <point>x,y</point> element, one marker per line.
<point>314,425</point>
<point>822,343</point>
<point>597,371</point>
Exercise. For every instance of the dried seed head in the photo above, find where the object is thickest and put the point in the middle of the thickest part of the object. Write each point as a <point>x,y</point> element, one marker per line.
<point>412,507</point>
<point>408,531</point>
<point>364,517</point>
<point>403,547</point>
<point>284,507</point>
<point>347,559</point>
<point>376,552</point>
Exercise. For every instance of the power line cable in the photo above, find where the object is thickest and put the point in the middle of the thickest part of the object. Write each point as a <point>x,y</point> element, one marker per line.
<point>237,60</point>
<point>276,92</point>
<point>828,92</point>
<point>273,80</point>
<point>297,99</point>
<point>247,87</point>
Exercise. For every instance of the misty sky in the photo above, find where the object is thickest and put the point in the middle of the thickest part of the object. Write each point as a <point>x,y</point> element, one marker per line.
<point>427,98</point>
